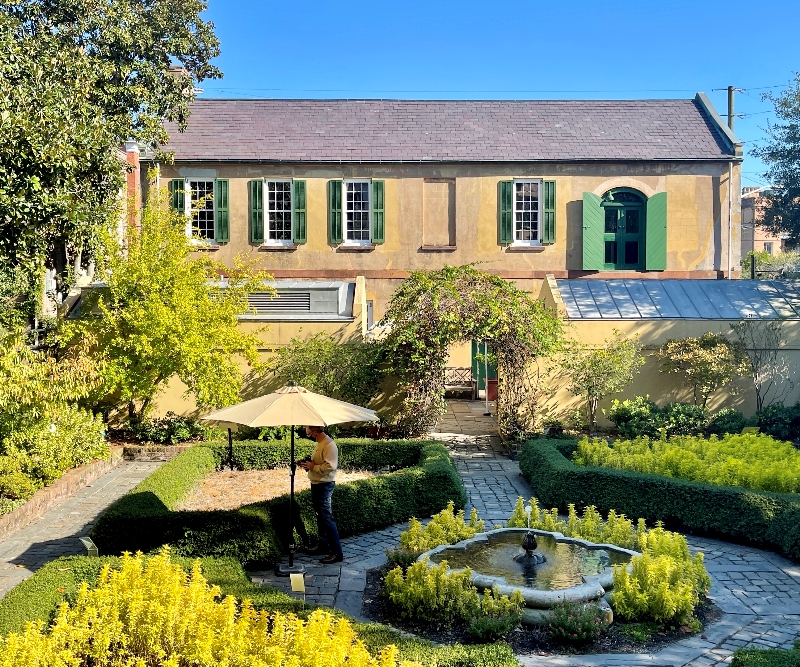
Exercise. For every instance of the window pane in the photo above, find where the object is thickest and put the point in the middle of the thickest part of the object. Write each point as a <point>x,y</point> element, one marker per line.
<point>526,211</point>
<point>611,221</point>
<point>279,210</point>
<point>203,209</point>
<point>611,252</point>
<point>632,222</point>
<point>631,252</point>
<point>357,211</point>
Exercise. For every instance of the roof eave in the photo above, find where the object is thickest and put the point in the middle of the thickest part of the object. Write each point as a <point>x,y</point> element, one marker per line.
<point>734,143</point>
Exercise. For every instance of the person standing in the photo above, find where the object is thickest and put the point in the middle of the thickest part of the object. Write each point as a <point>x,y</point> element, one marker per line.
<point>321,471</point>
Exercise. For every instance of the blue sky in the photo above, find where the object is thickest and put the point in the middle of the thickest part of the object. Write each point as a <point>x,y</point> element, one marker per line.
<point>512,50</point>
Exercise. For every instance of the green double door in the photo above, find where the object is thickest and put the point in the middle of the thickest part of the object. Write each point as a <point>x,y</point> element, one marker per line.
<point>623,236</point>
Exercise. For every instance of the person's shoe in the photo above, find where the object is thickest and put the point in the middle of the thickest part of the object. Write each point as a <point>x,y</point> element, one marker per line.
<point>333,558</point>
<point>319,550</point>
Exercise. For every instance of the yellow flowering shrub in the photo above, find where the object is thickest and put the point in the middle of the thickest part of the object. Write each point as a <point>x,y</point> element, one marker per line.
<point>446,527</point>
<point>151,613</point>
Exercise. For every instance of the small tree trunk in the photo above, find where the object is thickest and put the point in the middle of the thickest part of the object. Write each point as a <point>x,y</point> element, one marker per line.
<point>132,416</point>
<point>592,414</point>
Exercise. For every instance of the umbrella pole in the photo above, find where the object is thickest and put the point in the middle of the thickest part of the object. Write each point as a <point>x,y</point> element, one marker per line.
<point>280,570</point>
<point>230,449</point>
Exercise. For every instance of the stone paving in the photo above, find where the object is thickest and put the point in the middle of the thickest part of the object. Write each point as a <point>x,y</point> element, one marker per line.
<point>57,531</point>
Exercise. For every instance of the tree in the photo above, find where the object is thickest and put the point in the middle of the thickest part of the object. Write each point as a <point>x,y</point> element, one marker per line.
<point>164,313</point>
<point>706,363</point>
<point>596,372</point>
<point>349,372</point>
<point>762,340</point>
<point>77,78</point>
<point>781,153</point>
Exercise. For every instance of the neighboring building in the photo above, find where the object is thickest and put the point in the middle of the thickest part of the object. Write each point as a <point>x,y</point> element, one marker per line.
<point>755,238</point>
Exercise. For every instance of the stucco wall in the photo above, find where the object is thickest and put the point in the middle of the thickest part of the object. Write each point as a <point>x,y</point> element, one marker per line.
<point>697,240</point>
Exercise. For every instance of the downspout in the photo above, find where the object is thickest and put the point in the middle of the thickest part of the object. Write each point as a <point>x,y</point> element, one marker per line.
<point>730,216</point>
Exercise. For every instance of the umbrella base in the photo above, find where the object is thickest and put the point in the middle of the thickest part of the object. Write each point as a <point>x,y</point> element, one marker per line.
<point>285,570</point>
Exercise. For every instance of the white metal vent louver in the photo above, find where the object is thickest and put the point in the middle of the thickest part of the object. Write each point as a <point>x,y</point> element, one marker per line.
<point>264,302</point>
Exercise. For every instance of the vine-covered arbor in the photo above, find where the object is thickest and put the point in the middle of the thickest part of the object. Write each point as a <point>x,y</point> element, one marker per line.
<point>433,310</point>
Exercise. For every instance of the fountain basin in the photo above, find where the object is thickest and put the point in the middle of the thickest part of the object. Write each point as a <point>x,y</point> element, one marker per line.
<point>575,570</point>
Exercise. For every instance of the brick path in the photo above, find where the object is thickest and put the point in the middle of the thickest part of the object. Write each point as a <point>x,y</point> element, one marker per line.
<point>56,533</point>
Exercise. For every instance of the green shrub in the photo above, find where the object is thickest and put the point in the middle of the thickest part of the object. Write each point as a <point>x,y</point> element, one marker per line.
<point>635,416</point>
<point>45,451</point>
<point>446,527</point>
<point>144,518</point>
<point>683,419</point>
<point>749,460</point>
<point>16,486</point>
<point>732,513</point>
<point>169,430</point>
<point>485,629</point>
<point>575,623</point>
<point>779,421</point>
<point>402,558</point>
<point>727,420</point>
<point>773,657</point>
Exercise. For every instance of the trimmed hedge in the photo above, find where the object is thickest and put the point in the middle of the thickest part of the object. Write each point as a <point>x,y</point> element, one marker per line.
<point>773,657</point>
<point>767,519</point>
<point>38,598</point>
<point>144,519</point>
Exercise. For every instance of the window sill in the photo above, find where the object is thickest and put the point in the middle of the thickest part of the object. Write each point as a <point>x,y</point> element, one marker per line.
<point>356,248</point>
<point>438,248</point>
<point>206,247</point>
<point>526,248</point>
<point>269,247</point>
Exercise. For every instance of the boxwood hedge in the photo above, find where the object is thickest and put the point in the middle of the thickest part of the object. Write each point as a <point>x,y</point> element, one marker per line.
<point>763,518</point>
<point>145,518</point>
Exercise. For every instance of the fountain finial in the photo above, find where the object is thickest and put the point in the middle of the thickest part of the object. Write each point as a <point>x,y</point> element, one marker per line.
<point>530,545</point>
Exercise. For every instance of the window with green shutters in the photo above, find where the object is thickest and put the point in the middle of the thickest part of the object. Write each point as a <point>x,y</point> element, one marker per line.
<point>222,229</point>
<point>335,229</point>
<point>299,211</point>
<point>256,193</point>
<point>378,212</point>
<point>526,212</point>
<point>505,223</point>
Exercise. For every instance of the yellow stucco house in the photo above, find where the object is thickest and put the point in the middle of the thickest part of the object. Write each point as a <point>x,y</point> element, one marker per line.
<point>340,199</point>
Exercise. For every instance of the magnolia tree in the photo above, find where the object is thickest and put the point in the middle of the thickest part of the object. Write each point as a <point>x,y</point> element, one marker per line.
<point>705,363</point>
<point>597,372</point>
<point>761,341</point>
<point>166,312</point>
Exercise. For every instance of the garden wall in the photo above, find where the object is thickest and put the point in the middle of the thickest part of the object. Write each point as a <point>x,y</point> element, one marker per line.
<point>770,520</point>
<point>422,481</point>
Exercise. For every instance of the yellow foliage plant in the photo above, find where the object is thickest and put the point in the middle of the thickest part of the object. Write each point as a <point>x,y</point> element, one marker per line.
<point>446,527</point>
<point>151,613</point>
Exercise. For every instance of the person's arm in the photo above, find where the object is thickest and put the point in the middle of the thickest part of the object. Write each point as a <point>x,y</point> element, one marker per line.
<point>330,459</point>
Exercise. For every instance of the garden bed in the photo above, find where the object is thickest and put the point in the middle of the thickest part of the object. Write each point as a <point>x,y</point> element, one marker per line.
<point>620,637</point>
<point>231,489</point>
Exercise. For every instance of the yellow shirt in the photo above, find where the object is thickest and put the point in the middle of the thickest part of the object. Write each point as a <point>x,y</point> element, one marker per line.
<point>325,459</point>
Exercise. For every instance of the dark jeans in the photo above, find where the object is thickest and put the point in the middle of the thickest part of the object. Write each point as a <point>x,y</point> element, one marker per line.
<point>328,533</point>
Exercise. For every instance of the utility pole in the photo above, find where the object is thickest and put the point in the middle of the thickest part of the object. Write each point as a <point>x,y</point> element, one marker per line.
<point>731,115</point>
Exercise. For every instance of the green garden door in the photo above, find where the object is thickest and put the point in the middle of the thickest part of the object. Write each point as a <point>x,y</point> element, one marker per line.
<point>623,235</point>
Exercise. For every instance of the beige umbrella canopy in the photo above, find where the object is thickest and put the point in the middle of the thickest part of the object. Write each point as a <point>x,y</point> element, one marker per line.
<point>292,405</point>
<point>289,406</point>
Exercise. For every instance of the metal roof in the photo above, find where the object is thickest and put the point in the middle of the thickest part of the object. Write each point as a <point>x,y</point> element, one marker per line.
<point>355,131</point>
<point>646,299</point>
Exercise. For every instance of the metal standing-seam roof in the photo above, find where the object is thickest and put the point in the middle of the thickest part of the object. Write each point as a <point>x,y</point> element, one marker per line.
<point>679,299</point>
<point>450,131</point>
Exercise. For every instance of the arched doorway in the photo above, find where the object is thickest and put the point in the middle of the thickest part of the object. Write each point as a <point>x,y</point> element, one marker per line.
<point>624,211</point>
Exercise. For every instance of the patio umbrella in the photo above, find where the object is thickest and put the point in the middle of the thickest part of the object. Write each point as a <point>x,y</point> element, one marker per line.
<point>289,406</point>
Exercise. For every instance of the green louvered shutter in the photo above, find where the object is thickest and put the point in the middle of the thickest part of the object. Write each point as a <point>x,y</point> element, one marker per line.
<point>299,212</point>
<point>593,227</point>
<point>378,213</point>
<point>177,195</point>
<point>335,231</point>
<point>655,241</point>
<point>505,219</point>
<point>549,210</point>
<point>256,190</point>
<point>222,227</point>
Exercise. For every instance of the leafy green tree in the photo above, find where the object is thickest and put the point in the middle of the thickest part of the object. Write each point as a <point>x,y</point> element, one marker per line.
<point>706,363</point>
<point>596,372</point>
<point>350,372</point>
<point>781,153</point>
<point>165,312</point>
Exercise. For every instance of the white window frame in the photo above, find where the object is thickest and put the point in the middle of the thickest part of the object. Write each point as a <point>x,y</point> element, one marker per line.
<point>265,198</point>
<point>352,242</point>
<point>537,241</point>
<point>188,208</point>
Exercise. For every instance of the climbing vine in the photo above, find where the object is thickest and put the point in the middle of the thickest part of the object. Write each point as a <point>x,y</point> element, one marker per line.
<point>433,310</point>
